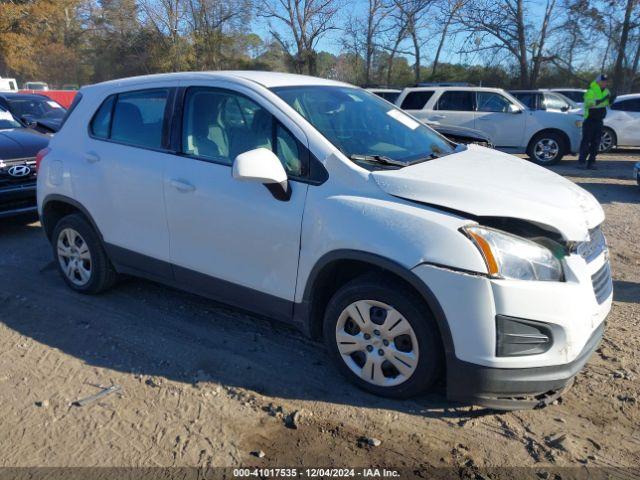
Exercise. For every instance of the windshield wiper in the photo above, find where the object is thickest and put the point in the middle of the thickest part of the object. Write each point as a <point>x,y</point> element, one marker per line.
<point>377,159</point>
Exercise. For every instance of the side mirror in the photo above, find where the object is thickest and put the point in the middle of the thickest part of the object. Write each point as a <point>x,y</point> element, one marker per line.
<point>514,108</point>
<point>262,166</point>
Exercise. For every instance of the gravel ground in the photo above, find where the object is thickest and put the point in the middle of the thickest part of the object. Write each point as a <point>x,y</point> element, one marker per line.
<point>204,385</point>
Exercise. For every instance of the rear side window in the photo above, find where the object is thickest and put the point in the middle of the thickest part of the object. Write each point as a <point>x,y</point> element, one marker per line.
<point>457,101</point>
<point>135,118</point>
<point>529,99</point>
<point>416,100</point>
<point>632,105</point>
<point>493,102</point>
<point>138,118</point>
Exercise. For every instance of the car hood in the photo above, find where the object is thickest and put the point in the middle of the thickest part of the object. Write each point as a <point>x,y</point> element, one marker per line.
<point>21,143</point>
<point>487,183</point>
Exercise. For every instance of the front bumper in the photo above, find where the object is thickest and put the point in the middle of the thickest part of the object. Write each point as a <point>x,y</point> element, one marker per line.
<point>18,199</point>
<point>574,312</point>
<point>514,388</point>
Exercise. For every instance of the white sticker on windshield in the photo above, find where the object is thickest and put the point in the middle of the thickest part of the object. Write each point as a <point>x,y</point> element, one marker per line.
<point>404,119</point>
<point>4,115</point>
<point>54,104</point>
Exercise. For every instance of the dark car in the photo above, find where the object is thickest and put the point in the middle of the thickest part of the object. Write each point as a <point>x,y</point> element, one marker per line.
<point>18,149</point>
<point>462,134</point>
<point>35,111</point>
<point>543,100</point>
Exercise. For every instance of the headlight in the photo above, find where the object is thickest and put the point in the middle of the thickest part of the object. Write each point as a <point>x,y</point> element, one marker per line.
<point>513,257</point>
<point>579,123</point>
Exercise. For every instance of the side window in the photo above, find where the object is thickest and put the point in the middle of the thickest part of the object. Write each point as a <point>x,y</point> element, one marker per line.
<point>416,100</point>
<point>102,119</point>
<point>456,100</point>
<point>493,102</point>
<point>528,99</point>
<point>219,125</point>
<point>554,102</point>
<point>632,105</point>
<point>138,118</point>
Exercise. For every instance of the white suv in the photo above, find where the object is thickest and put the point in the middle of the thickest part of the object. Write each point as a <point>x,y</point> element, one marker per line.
<point>545,136</point>
<point>320,204</point>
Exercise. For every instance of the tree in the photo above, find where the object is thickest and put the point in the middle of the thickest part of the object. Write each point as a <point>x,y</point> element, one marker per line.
<point>306,22</point>
<point>500,25</point>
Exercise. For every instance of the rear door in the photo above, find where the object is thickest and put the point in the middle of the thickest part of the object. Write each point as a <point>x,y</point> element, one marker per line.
<point>500,118</point>
<point>125,158</point>
<point>415,102</point>
<point>454,107</point>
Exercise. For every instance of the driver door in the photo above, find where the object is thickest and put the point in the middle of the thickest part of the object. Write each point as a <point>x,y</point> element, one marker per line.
<point>229,239</point>
<point>500,118</point>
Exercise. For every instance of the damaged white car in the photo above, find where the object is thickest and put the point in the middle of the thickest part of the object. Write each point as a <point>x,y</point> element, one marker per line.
<point>320,204</point>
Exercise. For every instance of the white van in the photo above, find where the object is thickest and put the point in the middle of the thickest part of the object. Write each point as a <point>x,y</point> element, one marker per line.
<point>8,85</point>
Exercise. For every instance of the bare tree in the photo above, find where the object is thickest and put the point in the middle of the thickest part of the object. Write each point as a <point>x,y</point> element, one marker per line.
<point>448,11</point>
<point>501,25</point>
<point>167,17</point>
<point>306,22</point>
<point>413,12</point>
<point>618,72</point>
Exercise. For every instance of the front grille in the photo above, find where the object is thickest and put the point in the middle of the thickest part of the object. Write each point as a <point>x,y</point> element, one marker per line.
<point>602,284</point>
<point>594,247</point>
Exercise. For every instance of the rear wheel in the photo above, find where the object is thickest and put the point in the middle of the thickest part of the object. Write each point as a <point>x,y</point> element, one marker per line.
<point>383,338</point>
<point>80,257</point>
<point>607,141</point>
<point>546,148</point>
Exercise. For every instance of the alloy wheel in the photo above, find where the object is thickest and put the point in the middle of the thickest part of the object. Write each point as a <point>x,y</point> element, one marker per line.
<point>546,150</point>
<point>377,343</point>
<point>74,257</point>
<point>606,141</point>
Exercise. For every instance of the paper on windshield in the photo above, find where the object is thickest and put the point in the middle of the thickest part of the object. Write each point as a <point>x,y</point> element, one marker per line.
<point>53,104</point>
<point>404,119</point>
<point>4,115</point>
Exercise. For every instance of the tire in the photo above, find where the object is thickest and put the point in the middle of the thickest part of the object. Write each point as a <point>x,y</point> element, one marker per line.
<point>546,148</point>
<point>608,140</point>
<point>74,239</point>
<point>415,368</point>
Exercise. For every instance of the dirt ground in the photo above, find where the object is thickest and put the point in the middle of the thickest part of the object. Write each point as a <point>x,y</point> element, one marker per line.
<point>204,385</point>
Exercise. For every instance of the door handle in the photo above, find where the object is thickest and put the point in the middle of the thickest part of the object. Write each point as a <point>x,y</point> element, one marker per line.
<point>182,186</point>
<point>92,157</point>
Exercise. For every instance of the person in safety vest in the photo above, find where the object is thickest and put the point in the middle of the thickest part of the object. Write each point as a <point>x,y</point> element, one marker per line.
<point>596,100</point>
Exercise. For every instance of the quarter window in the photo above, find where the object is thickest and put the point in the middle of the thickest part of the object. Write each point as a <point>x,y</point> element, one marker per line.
<point>416,100</point>
<point>102,119</point>
<point>460,101</point>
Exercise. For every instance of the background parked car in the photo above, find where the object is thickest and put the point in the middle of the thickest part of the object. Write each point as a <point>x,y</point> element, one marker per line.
<point>622,123</point>
<point>18,149</point>
<point>36,111</point>
<point>35,86</point>
<point>545,136</point>
<point>389,94</point>
<point>462,135</point>
<point>575,94</point>
<point>636,172</point>
<point>63,97</point>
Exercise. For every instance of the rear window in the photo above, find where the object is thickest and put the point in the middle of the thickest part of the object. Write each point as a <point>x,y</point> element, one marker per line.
<point>416,100</point>
<point>134,118</point>
<point>456,101</point>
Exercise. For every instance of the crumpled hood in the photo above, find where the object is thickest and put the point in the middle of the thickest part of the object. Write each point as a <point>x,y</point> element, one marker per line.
<point>485,182</point>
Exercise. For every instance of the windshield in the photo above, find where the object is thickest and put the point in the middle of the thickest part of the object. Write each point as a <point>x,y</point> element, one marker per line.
<point>361,124</point>
<point>7,120</point>
<point>44,108</point>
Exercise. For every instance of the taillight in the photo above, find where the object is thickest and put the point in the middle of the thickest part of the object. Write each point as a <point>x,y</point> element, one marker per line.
<point>41,154</point>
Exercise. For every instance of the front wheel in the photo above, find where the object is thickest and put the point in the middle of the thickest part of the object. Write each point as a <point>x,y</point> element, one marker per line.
<point>383,338</point>
<point>546,148</point>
